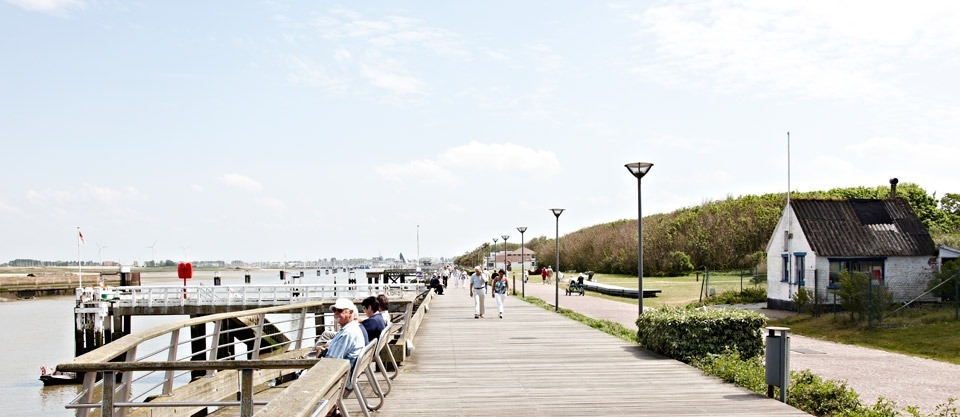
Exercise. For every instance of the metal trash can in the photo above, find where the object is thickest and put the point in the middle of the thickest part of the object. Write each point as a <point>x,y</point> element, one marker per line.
<point>778,361</point>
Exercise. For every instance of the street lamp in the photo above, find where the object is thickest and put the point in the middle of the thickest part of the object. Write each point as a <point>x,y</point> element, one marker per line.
<point>523,270</point>
<point>556,278</point>
<point>491,253</point>
<point>639,169</point>
<point>505,237</point>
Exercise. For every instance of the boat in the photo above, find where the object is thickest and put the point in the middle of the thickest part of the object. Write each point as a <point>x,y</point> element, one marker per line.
<point>58,378</point>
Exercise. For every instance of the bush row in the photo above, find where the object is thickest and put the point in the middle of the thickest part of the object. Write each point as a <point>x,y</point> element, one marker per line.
<point>809,392</point>
<point>690,333</point>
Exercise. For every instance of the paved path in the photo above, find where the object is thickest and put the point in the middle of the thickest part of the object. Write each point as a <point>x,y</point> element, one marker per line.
<point>873,373</point>
<point>536,363</point>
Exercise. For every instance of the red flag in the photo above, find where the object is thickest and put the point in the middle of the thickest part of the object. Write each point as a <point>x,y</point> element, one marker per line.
<point>80,236</point>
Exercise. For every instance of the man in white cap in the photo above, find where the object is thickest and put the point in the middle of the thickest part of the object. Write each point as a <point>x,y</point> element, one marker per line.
<point>351,338</point>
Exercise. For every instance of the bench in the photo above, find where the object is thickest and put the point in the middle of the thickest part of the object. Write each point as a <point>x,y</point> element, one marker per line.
<point>619,291</point>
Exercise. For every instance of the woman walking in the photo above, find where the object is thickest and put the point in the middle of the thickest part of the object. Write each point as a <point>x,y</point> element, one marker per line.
<point>500,288</point>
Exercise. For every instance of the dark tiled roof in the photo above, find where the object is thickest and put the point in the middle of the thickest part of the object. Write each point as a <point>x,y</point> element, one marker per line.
<point>863,228</point>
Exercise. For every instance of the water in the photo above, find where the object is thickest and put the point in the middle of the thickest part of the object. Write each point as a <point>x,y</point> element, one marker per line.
<point>40,333</point>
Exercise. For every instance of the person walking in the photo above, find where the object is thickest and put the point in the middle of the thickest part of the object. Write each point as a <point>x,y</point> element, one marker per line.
<point>478,287</point>
<point>500,288</point>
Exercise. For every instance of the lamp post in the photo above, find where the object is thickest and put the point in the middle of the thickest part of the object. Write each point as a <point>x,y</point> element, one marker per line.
<point>639,169</point>
<point>491,253</point>
<point>523,270</point>
<point>556,278</point>
<point>505,237</point>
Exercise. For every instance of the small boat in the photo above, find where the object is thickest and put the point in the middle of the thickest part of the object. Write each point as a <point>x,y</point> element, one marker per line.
<point>58,378</point>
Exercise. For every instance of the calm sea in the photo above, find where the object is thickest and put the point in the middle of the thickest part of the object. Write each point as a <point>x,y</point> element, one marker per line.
<point>39,332</point>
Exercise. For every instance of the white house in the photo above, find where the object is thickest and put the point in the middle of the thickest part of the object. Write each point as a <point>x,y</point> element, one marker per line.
<point>816,240</point>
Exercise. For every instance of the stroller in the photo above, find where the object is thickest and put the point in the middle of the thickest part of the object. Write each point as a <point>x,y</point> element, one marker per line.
<point>575,286</point>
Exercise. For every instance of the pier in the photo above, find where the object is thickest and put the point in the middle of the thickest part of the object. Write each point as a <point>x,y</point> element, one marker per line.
<point>531,362</point>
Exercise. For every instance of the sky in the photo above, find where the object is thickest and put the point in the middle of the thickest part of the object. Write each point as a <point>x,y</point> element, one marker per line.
<point>266,130</point>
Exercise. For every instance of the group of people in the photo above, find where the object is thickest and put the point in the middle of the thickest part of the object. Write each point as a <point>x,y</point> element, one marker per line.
<point>354,333</point>
<point>478,289</point>
<point>479,282</point>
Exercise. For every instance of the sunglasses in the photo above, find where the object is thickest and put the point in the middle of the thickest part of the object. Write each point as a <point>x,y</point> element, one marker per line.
<point>337,310</point>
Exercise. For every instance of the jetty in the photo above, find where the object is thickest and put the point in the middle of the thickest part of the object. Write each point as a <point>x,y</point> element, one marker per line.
<point>531,362</point>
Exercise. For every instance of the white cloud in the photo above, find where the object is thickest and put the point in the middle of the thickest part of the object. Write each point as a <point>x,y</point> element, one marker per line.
<point>49,197</point>
<point>235,180</point>
<point>811,49</point>
<point>303,72</point>
<point>453,165</point>
<point>60,8</point>
<point>397,83</point>
<point>110,196</point>
<point>423,171</point>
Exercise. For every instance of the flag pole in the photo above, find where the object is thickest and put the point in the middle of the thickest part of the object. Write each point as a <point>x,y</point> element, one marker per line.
<point>79,264</point>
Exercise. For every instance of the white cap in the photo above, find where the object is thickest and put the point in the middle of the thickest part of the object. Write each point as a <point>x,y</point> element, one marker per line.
<point>344,304</point>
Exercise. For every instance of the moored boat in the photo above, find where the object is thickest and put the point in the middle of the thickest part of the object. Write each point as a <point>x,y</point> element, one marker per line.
<point>58,378</point>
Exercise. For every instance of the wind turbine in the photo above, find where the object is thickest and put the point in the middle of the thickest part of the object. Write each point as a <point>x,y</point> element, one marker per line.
<point>185,258</point>
<point>153,252</point>
<point>100,252</point>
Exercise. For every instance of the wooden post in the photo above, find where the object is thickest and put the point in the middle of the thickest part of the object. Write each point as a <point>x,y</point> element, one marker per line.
<point>197,345</point>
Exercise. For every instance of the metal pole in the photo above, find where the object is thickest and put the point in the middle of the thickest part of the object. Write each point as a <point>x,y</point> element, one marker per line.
<point>639,248</point>
<point>523,269</point>
<point>505,237</point>
<point>556,277</point>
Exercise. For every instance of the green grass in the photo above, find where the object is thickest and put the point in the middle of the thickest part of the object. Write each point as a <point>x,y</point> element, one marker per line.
<point>929,332</point>
<point>677,291</point>
<point>606,326</point>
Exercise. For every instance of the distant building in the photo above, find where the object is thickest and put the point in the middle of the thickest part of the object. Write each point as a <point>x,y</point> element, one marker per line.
<point>496,260</point>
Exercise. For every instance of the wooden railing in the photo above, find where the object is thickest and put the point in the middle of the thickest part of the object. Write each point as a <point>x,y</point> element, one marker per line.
<point>156,366</point>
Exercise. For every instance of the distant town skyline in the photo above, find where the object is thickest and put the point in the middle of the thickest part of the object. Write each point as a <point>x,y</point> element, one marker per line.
<point>266,130</point>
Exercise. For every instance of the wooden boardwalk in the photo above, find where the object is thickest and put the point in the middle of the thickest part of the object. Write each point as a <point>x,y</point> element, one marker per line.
<point>536,363</point>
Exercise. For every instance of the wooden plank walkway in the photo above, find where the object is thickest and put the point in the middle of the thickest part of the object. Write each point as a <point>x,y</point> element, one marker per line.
<point>536,363</point>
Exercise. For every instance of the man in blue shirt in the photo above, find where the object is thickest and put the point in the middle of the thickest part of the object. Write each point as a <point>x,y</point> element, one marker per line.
<point>374,323</point>
<point>351,338</point>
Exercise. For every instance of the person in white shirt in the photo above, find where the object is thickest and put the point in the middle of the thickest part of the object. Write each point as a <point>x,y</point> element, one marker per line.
<point>478,287</point>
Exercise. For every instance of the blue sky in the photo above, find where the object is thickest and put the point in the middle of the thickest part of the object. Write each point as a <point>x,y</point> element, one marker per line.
<point>273,131</point>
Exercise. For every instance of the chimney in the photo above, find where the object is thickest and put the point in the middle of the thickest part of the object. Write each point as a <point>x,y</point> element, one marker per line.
<point>893,187</point>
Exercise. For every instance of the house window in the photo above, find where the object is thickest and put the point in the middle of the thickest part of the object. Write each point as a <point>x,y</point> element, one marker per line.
<point>801,256</point>
<point>785,277</point>
<point>872,266</point>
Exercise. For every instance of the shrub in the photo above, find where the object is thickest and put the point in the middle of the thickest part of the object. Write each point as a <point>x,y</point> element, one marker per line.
<point>807,392</point>
<point>858,295</point>
<point>730,367</point>
<point>748,295</point>
<point>815,395</point>
<point>686,333</point>
<point>679,264</point>
<point>801,298</point>
<point>947,291</point>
